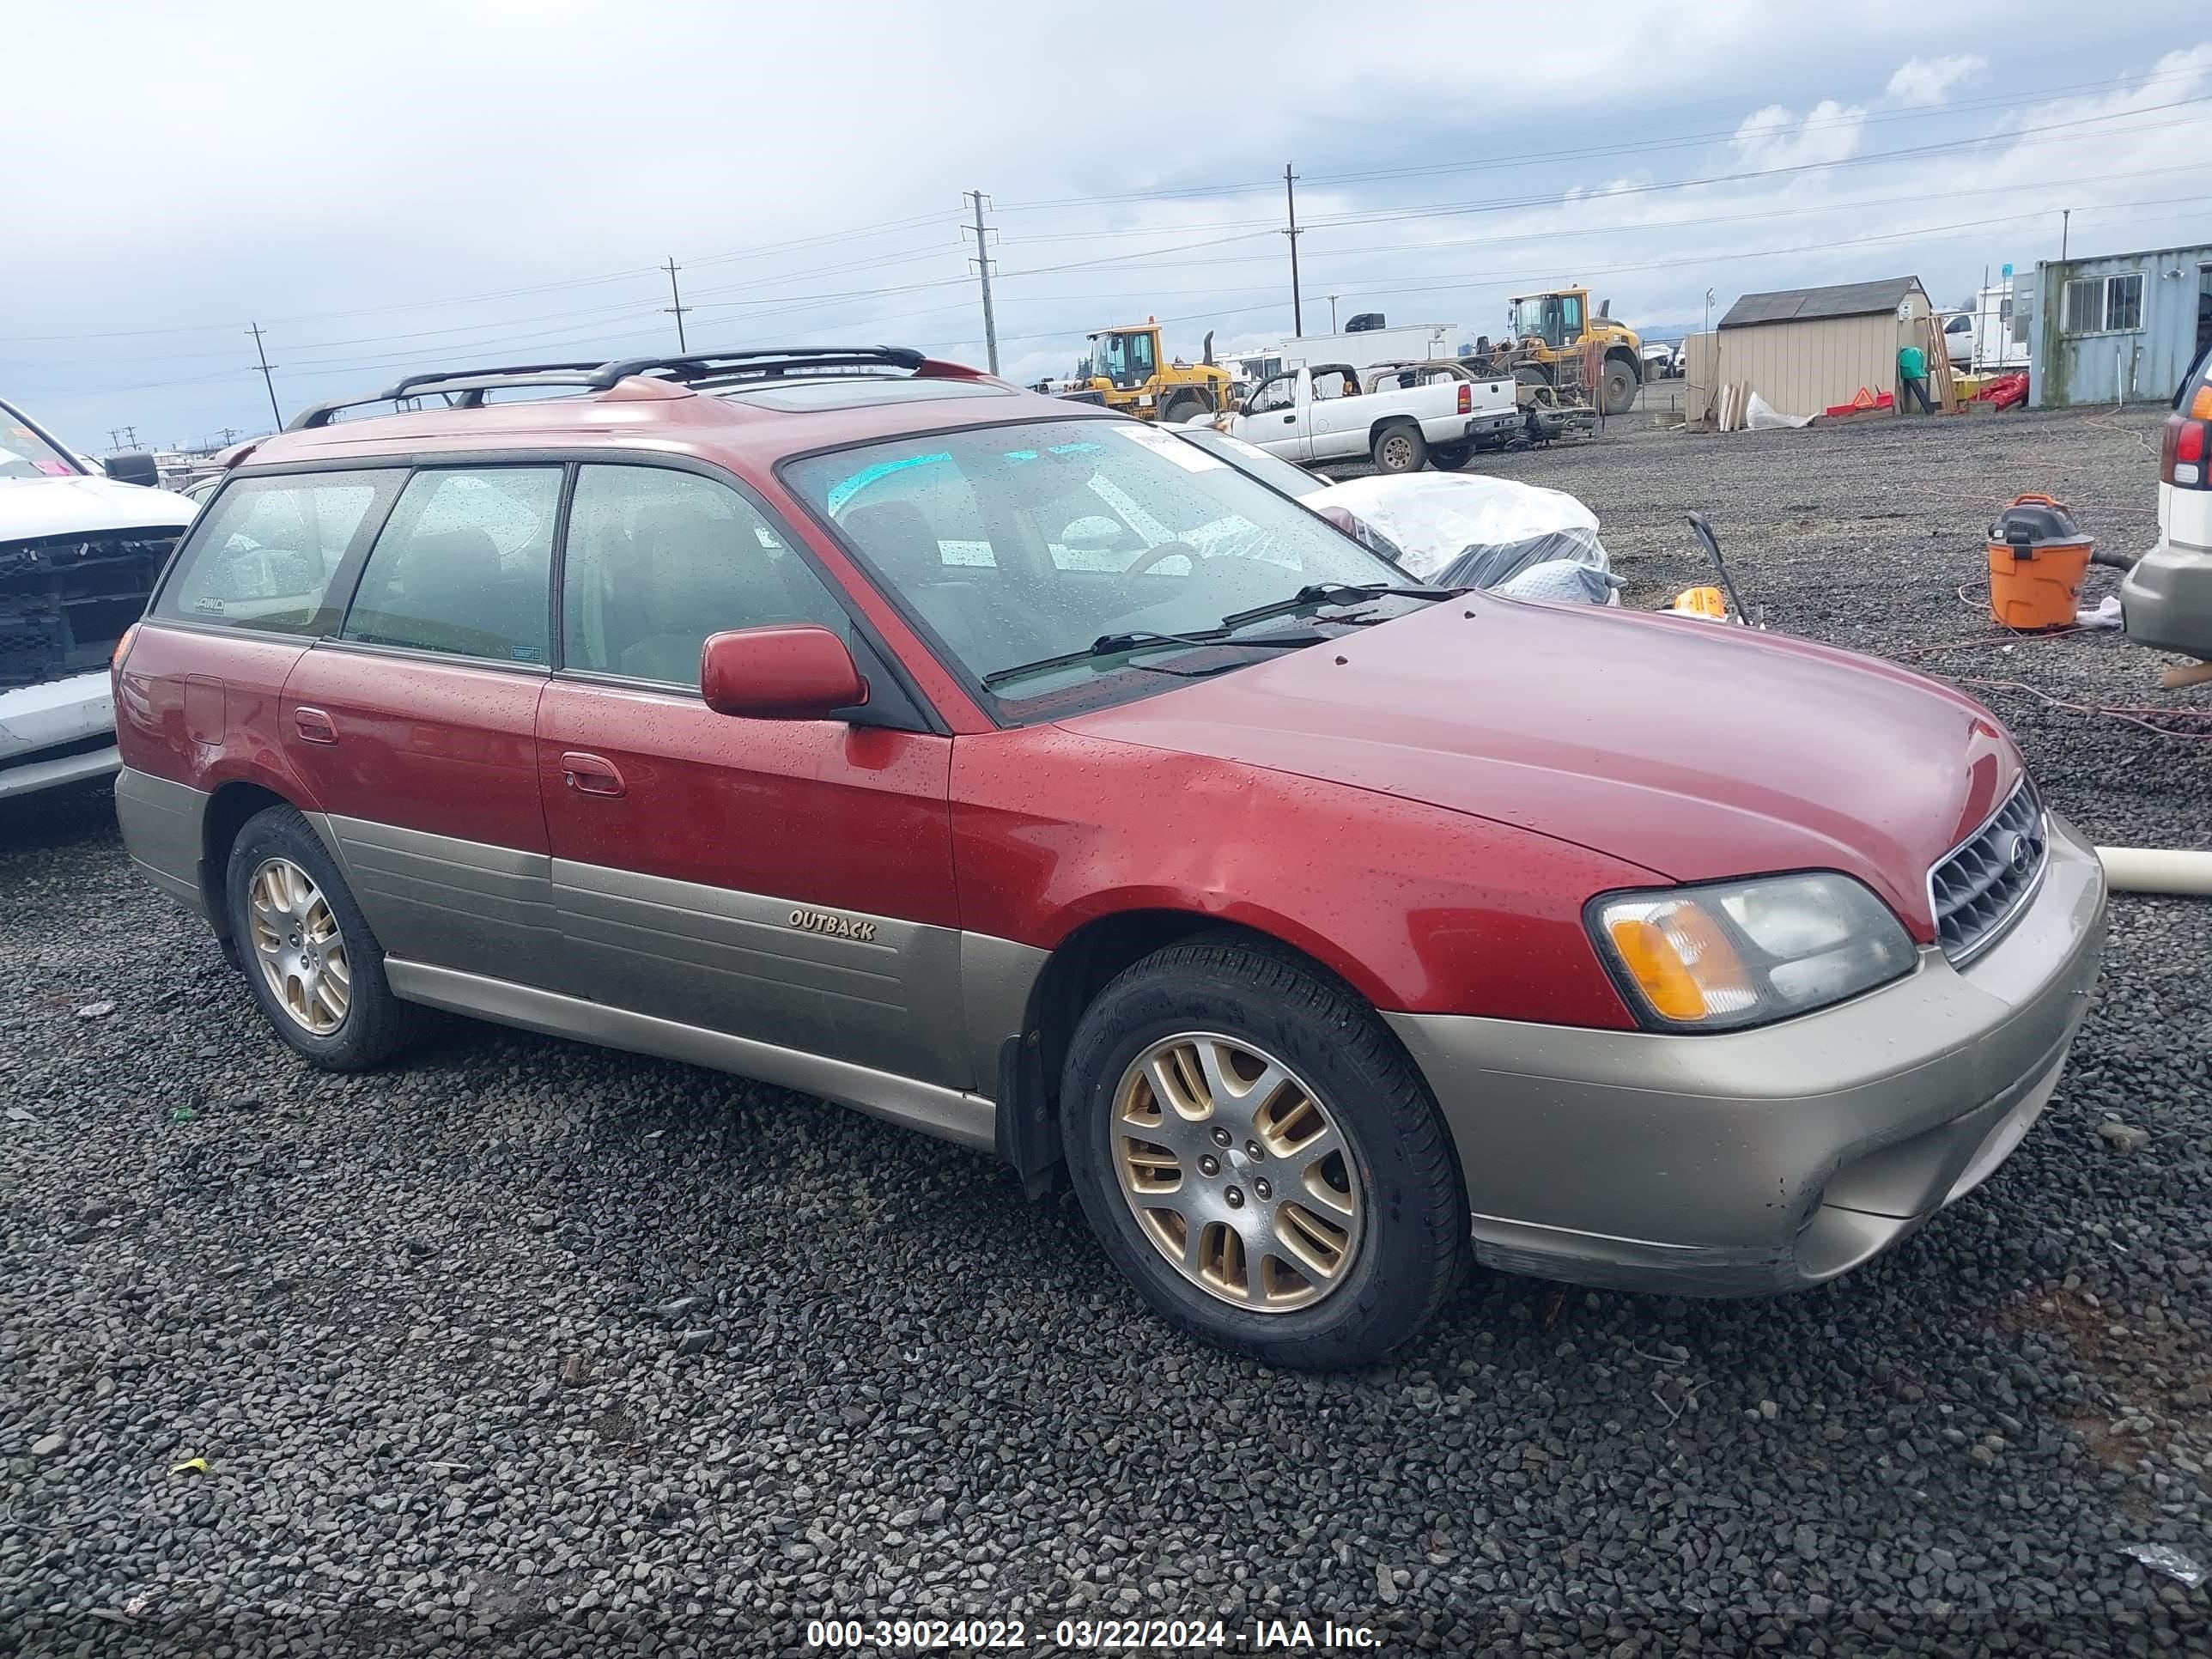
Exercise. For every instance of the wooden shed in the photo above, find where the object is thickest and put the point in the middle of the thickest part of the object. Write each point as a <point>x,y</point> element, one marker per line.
<point>1805,350</point>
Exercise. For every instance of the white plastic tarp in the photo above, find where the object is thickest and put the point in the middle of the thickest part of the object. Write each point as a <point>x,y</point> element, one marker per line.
<point>1469,530</point>
<point>1760,416</point>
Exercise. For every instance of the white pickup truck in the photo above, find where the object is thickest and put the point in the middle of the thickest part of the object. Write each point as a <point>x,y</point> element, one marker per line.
<point>1321,414</point>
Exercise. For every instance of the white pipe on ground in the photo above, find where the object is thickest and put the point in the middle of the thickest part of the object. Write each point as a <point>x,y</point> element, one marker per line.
<point>2157,869</point>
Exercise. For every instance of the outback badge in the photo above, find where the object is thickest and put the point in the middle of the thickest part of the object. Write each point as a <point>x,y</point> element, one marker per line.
<point>821,921</point>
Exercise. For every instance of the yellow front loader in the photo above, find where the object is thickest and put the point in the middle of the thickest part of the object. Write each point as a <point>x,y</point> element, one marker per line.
<point>1559,343</point>
<point>1129,371</point>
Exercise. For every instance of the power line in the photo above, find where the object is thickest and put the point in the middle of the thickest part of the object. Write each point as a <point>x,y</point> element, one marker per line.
<point>2009,100</point>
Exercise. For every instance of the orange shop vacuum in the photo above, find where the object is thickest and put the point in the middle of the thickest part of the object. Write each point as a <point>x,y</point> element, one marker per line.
<point>2037,557</point>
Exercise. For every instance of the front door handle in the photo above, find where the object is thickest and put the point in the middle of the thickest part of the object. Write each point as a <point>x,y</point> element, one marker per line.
<point>1290,420</point>
<point>314,726</point>
<point>591,774</point>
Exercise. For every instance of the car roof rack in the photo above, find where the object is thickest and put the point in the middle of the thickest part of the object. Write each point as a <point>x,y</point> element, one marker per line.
<point>702,371</point>
<point>462,388</point>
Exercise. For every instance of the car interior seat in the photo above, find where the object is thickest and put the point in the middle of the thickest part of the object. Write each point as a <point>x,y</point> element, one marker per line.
<point>985,626</point>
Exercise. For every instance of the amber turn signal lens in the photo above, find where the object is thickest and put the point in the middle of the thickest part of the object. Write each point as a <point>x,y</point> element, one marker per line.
<point>1683,962</point>
<point>122,649</point>
<point>1666,982</point>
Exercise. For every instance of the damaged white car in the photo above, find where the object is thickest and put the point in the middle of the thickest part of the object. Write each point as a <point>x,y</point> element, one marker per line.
<point>1461,530</point>
<point>79,552</point>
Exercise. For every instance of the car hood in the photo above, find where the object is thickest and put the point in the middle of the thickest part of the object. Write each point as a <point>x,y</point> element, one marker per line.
<point>1691,748</point>
<point>31,508</point>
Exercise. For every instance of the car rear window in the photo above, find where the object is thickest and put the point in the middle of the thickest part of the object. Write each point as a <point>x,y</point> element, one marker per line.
<point>465,566</point>
<point>265,551</point>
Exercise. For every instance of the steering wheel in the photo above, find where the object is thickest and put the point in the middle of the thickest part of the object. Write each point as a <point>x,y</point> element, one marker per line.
<point>1152,555</point>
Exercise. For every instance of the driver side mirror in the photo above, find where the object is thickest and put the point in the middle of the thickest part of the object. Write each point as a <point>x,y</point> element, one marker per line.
<point>134,466</point>
<point>795,672</point>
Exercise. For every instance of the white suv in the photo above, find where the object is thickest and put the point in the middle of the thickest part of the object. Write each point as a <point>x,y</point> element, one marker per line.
<point>79,552</point>
<point>2167,596</point>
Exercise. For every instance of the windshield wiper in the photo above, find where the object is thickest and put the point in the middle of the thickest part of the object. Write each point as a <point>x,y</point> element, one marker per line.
<point>1112,645</point>
<point>1337,593</point>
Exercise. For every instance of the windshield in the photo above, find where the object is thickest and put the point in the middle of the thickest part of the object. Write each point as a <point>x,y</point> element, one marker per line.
<point>1272,471</point>
<point>25,454</point>
<point>1017,544</point>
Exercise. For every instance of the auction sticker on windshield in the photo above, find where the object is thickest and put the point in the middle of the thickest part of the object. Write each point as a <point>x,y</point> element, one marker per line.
<point>1189,456</point>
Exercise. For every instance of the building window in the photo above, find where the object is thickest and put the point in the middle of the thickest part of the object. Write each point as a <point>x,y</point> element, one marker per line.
<point>2123,301</point>
<point>2104,305</point>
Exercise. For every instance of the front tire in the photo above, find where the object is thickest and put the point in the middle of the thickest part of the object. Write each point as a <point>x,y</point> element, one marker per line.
<point>1255,1152</point>
<point>1401,449</point>
<point>1619,387</point>
<point>310,959</point>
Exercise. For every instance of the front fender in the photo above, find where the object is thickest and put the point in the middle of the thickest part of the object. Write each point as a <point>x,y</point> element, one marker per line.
<point>1419,907</point>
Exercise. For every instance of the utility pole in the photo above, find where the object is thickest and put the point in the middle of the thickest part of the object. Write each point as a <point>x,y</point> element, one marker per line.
<point>983,269</point>
<point>267,375</point>
<point>676,299</point>
<point>130,437</point>
<point>1333,299</point>
<point>2065,225</point>
<point>115,437</point>
<point>1290,199</point>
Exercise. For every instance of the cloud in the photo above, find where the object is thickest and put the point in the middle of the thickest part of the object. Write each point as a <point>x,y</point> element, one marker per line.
<point>1774,137</point>
<point>1921,81</point>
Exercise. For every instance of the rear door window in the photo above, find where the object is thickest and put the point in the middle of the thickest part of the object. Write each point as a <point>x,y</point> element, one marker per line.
<point>464,566</point>
<point>657,560</point>
<point>267,550</point>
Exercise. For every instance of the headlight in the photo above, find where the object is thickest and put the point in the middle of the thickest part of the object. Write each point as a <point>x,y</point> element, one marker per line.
<point>1744,952</point>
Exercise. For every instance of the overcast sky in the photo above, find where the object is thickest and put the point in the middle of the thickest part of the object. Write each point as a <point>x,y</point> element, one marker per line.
<point>395,186</point>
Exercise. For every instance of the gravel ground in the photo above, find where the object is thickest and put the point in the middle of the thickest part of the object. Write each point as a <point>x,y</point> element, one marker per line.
<point>534,1348</point>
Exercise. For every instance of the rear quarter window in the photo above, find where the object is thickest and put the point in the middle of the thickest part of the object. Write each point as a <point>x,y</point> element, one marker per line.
<point>266,551</point>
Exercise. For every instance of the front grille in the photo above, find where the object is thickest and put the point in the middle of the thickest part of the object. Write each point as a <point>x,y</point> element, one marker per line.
<point>1979,890</point>
<point>65,600</point>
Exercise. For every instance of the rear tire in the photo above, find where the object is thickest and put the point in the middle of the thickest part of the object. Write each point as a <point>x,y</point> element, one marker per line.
<point>1450,457</point>
<point>1399,448</point>
<point>310,959</point>
<point>1260,1277</point>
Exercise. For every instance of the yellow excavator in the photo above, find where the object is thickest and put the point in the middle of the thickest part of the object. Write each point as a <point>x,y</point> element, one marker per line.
<point>1558,342</point>
<point>1129,371</point>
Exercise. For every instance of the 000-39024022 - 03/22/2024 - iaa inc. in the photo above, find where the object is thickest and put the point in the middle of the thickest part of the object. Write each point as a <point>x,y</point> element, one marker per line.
<point>1137,1635</point>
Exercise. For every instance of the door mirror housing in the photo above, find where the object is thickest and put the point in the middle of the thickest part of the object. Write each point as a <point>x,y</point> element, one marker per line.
<point>133,466</point>
<point>800,671</point>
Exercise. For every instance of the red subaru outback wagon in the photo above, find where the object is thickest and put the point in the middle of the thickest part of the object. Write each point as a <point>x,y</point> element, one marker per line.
<point>1023,773</point>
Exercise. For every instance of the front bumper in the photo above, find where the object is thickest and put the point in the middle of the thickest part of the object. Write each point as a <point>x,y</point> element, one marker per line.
<point>52,733</point>
<point>2166,599</point>
<point>1746,1163</point>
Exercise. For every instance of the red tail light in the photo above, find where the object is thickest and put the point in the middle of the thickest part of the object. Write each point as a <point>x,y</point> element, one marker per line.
<point>2182,452</point>
<point>1466,399</point>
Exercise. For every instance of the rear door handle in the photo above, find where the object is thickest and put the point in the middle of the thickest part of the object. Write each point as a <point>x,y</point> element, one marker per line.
<point>314,726</point>
<point>591,774</point>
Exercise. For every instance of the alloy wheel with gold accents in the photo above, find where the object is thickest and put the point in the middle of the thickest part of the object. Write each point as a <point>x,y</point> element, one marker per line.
<point>1236,1172</point>
<point>299,946</point>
